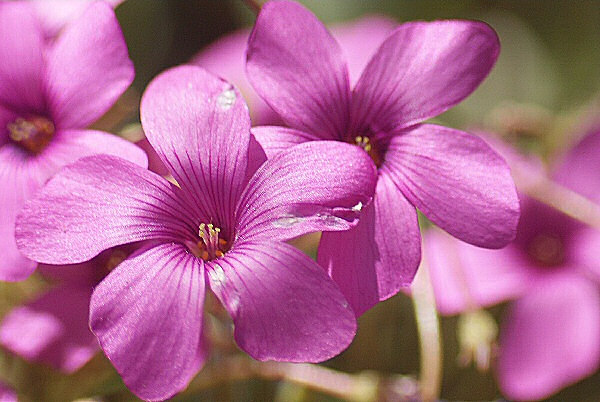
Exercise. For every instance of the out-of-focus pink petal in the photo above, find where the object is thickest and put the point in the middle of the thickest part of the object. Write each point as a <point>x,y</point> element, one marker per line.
<point>583,249</point>
<point>147,315</point>
<point>577,168</point>
<point>360,39</point>
<point>86,274</point>
<point>154,162</point>
<point>372,261</point>
<point>308,188</point>
<point>226,58</point>
<point>88,68</point>
<point>96,203</point>
<point>7,394</point>
<point>458,182</point>
<point>464,276</point>
<point>18,182</point>
<point>421,70</point>
<point>199,125</point>
<point>283,305</point>
<point>22,55</point>
<point>256,157</point>
<point>274,139</point>
<point>52,329</point>
<point>6,116</point>
<point>550,339</point>
<point>298,68</point>
<point>55,14</point>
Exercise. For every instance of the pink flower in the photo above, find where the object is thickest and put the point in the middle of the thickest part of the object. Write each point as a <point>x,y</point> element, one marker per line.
<point>224,224</point>
<point>226,57</point>
<point>48,95</point>
<point>54,328</point>
<point>420,70</point>
<point>550,337</point>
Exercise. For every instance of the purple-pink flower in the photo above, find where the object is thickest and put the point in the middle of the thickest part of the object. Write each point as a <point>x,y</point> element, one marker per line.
<point>550,337</point>
<point>420,70</point>
<point>223,226</point>
<point>48,95</point>
<point>54,327</point>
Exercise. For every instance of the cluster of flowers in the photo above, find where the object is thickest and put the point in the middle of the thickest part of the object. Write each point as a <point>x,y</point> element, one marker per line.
<point>348,155</point>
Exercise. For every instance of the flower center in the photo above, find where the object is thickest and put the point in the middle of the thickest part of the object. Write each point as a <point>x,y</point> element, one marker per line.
<point>547,250</point>
<point>210,245</point>
<point>369,147</point>
<point>33,133</point>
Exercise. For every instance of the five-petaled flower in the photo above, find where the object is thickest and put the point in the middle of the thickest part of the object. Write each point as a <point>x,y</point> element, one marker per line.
<point>225,223</point>
<point>421,70</point>
<point>48,95</point>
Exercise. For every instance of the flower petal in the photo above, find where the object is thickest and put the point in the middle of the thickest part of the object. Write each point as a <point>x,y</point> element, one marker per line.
<point>55,14</point>
<point>88,68</point>
<point>360,40</point>
<point>372,261</point>
<point>18,182</point>
<point>7,393</point>
<point>458,182</point>
<point>70,145</point>
<point>274,139</point>
<point>6,116</point>
<point>283,305</point>
<point>200,127</point>
<point>21,52</point>
<point>147,315</point>
<point>551,338</point>
<point>576,169</point>
<point>318,185</point>
<point>52,329</point>
<point>583,249</point>
<point>226,57</point>
<point>96,203</point>
<point>295,64</point>
<point>466,277</point>
<point>421,70</point>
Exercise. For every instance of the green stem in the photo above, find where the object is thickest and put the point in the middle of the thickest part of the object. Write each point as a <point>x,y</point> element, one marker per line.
<point>428,326</point>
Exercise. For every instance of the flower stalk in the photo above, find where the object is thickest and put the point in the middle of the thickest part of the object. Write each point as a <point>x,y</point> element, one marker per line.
<point>428,326</point>
<point>545,190</point>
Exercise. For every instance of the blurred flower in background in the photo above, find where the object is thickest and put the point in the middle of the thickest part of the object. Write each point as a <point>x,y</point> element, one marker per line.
<point>550,337</point>
<point>49,94</point>
<point>54,327</point>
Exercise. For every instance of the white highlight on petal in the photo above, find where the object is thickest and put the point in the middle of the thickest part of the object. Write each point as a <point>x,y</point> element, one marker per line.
<point>218,275</point>
<point>358,207</point>
<point>226,99</point>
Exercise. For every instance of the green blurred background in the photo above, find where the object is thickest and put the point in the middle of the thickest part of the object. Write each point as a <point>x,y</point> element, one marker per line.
<point>542,95</point>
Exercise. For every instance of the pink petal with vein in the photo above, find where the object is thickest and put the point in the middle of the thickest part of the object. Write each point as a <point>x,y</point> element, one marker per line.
<point>378,257</point>
<point>283,305</point>
<point>458,182</point>
<point>297,67</point>
<point>147,315</point>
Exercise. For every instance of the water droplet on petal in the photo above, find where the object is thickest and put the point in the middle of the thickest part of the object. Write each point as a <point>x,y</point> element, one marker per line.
<point>358,207</point>
<point>226,99</point>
